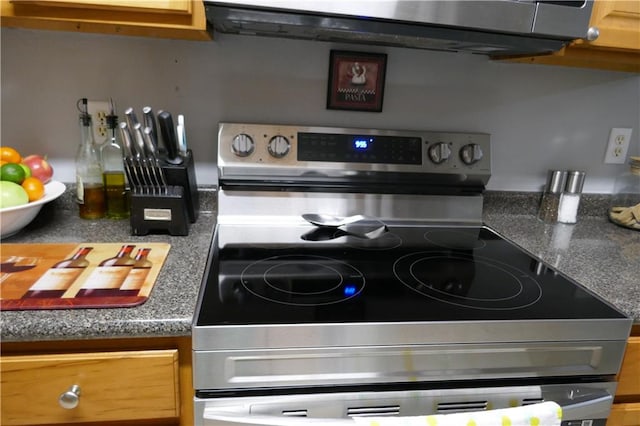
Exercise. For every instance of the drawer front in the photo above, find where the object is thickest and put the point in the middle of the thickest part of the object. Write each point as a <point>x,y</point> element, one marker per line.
<point>112,386</point>
<point>629,379</point>
<point>624,415</point>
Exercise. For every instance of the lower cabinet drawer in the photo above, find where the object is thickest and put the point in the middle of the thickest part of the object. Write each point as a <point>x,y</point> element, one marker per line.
<point>109,386</point>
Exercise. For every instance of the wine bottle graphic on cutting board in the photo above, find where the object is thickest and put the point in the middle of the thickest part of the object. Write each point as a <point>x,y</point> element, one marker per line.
<point>60,277</point>
<point>135,280</point>
<point>109,275</point>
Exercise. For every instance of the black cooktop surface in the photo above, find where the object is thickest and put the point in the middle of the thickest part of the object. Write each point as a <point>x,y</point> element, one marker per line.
<point>303,274</point>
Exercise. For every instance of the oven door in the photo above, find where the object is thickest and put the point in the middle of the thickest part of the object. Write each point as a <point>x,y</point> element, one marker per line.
<point>582,404</point>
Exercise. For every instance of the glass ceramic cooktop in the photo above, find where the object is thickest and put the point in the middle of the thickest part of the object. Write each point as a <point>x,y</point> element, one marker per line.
<point>305,274</point>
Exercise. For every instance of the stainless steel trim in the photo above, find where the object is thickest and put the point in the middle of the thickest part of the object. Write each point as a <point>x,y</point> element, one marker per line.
<point>273,368</point>
<point>240,207</point>
<point>321,335</point>
<point>582,401</point>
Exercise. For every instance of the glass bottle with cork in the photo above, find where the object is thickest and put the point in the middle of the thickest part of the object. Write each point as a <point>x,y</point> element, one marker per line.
<point>89,186</point>
<point>115,185</point>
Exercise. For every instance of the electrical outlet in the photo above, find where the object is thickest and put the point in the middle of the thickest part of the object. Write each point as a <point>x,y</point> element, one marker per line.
<point>99,111</point>
<point>618,145</point>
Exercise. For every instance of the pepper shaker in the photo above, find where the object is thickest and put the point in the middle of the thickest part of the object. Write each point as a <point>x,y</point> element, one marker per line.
<point>550,203</point>
<point>570,198</point>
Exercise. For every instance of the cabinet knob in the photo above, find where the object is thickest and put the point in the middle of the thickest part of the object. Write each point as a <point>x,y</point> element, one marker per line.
<point>593,33</point>
<point>71,398</point>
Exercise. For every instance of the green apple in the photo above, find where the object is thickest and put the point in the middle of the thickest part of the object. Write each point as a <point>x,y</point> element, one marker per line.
<point>12,194</point>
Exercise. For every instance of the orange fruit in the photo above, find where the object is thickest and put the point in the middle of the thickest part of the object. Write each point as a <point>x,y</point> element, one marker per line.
<point>34,188</point>
<point>10,155</point>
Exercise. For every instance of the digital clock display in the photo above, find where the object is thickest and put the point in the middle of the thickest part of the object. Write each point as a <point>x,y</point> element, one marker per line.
<point>361,143</point>
<point>359,148</point>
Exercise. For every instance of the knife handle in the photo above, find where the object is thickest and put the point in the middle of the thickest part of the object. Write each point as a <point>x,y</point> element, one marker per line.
<point>149,120</point>
<point>168,131</point>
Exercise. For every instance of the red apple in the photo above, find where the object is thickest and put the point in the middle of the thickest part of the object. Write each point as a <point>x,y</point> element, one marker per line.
<point>39,166</point>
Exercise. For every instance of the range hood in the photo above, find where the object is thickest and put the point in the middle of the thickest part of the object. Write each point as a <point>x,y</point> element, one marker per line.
<point>494,28</point>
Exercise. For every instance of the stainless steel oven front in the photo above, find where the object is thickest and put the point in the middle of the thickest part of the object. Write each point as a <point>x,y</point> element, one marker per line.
<point>432,312</point>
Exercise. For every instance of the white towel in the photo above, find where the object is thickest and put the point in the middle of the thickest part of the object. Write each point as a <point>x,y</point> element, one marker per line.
<point>543,414</point>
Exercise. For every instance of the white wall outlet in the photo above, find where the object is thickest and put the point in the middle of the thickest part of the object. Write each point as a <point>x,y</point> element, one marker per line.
<point>99,111</point>
<point>618,145</point>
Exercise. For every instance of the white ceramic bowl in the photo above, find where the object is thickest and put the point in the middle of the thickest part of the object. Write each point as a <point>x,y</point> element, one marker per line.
<point>13,219</point>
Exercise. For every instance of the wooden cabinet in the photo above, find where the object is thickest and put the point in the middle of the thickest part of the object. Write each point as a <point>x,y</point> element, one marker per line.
<point>626,410</point>
<point>180,19</point>
<point>149,381</point>
<point>617,47</point>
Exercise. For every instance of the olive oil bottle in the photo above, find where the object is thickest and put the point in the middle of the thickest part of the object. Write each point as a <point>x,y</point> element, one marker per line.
<point>113,177</point>
<point>89,186</point>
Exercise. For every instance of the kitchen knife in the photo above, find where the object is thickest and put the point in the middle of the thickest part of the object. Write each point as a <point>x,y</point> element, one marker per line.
<point>131,117</point>
<point>143,158</point>
<point>149,120</point>
<point>182,136</point>
<point>153,158</point>
<point>139,141</point>
<point>168,131</point>
<point>129,167</point>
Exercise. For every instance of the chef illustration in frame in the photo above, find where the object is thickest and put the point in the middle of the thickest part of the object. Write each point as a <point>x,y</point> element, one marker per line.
<point>356,80</point>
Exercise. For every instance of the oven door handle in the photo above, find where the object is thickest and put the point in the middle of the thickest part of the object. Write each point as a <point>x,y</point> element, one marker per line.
<point>222,417</point>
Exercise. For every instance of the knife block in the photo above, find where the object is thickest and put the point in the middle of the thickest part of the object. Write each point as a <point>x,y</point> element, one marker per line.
<point>184,175</point>
<point>159,213</point>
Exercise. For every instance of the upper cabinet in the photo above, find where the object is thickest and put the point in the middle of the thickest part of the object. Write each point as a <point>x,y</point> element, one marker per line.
<point>179,19</point>
<point>617,46</point>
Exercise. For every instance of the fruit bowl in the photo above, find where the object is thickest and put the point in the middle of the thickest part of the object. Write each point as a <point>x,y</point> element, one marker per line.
<point>13,219</point>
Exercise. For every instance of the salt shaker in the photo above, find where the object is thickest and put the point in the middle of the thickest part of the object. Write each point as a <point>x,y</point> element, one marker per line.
<point>570,198</point>
<point>556,180</point>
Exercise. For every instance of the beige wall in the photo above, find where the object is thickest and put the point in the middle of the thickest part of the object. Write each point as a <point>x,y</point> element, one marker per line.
<point>539,117</point>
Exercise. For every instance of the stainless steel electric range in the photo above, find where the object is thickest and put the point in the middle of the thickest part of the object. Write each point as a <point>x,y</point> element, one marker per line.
<point>414,307</point>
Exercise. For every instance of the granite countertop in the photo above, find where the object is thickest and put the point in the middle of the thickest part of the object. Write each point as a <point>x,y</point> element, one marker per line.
<point>602,256</point>
<point>167,312</point>
<point>594,252</point>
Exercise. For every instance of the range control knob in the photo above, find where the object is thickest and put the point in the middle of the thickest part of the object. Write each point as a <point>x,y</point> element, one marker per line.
<point>471,153</point>
<point>279,146</point>
<point>242,145</point>
<point>439,152</point>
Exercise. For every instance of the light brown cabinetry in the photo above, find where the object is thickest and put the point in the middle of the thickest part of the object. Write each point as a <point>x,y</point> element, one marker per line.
<point>180,19</point>
<point>144,380</point>
<point>616,48</point>
<point>626,409</point>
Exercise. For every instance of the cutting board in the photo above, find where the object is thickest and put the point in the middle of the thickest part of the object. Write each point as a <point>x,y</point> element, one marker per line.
<point>22,265</point>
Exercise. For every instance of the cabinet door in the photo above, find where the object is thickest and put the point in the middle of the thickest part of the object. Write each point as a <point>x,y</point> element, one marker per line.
<point>111,386</point>
<point>618,22</point>
<point>629,378</point>
<point>181,19</point>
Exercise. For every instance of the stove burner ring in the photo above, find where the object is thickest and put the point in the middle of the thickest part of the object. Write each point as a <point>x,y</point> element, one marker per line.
<point>456,240</point>
<point>451,280</point>
<point>284,265</point>
<point>302,280</point>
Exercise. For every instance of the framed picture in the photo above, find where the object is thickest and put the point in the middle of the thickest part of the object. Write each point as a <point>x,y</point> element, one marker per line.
<point>356,80</point>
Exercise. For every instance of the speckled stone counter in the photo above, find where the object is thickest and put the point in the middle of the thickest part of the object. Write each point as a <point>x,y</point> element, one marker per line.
<point>170,307</point>
<point>601,256</point>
